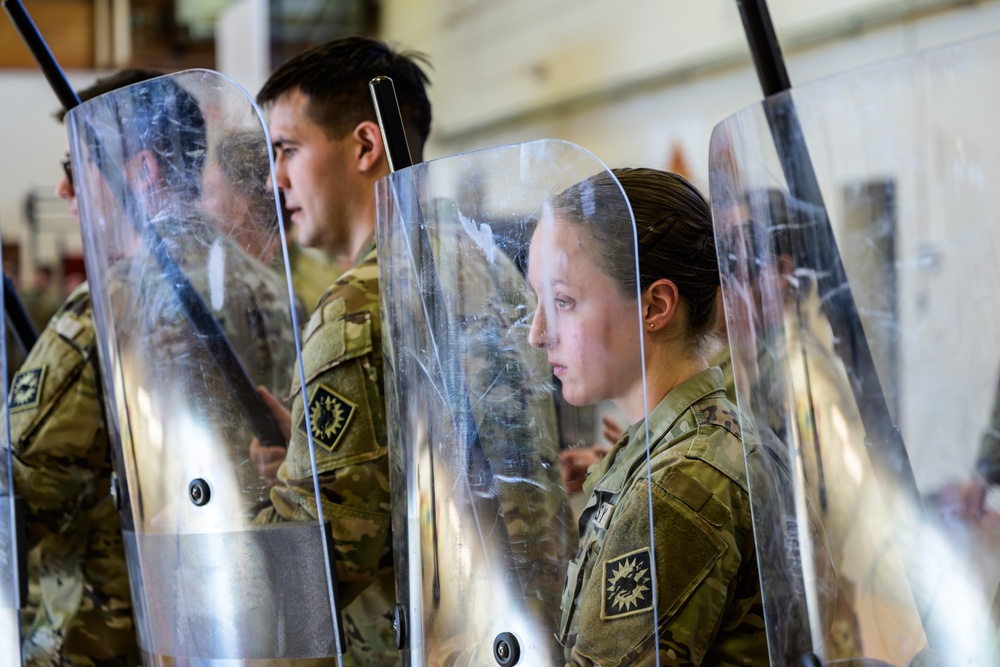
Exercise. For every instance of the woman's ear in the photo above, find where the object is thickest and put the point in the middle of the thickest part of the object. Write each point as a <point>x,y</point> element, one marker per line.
<point>369,150</point>
<point>659,305</point>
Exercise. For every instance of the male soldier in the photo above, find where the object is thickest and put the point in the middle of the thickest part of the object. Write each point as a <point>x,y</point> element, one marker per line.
<point>238,193</point>
<point>62,470</point>
<point>328,156</point>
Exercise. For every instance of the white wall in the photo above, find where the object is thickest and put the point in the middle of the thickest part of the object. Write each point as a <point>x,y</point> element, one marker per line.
<point>242,51</point>
<point>32,143</point>
<point>630,79</point>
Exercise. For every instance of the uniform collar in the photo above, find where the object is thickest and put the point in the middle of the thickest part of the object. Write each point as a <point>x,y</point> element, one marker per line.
<point>366,250</point>
<point>662,419</point>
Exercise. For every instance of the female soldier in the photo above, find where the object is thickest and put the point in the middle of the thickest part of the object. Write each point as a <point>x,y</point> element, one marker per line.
<point>582,268</point>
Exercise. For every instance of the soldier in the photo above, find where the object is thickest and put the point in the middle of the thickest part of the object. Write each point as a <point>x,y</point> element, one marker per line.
<point>63,469</point>
<point>708,592</point>
<point>238,194</point>
<point>329,154</point>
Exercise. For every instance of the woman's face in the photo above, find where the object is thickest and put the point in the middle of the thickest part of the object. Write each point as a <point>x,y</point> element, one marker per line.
<point>589,331</point>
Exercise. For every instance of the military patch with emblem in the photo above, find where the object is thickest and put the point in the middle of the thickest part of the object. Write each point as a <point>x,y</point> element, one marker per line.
<point>26,389</point>
<point>628,585</point>
<point>329,416</point>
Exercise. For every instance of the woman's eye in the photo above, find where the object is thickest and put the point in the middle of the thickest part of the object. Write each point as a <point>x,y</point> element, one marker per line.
<point>563,303</point>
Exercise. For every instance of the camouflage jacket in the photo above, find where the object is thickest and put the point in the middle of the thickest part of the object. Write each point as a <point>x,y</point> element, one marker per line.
<point>312,272</point>
<point>62,470</point>
<point>342,358</point>
<point>708,592</point>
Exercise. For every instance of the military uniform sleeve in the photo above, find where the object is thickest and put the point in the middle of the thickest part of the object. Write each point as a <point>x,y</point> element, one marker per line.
<point>346,417</point>
<point>697,560</point>
<point>57,424</point>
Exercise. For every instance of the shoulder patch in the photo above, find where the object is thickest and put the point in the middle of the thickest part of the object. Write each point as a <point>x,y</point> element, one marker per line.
<point>329,416</point>
<point>26,389</point>
<point>628,585</point>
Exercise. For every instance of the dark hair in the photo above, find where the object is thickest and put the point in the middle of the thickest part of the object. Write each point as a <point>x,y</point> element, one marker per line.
<point>673,234</point>
<point>241,157</point>
<point>158,115</point>
<point>335,76</point>
<point>119,79</point>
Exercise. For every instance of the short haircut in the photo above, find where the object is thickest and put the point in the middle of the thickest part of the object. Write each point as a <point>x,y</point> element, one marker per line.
<point>242,159</point>
<point>119,79</point>
<point>335,76</point>
<point>159,116</point>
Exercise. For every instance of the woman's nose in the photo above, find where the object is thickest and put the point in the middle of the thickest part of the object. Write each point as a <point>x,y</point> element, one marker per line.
<point>539,335</point>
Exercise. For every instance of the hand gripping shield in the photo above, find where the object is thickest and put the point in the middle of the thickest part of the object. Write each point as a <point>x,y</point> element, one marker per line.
<point>471,268</point>
<point>878,412</point>
<point>186,258</point>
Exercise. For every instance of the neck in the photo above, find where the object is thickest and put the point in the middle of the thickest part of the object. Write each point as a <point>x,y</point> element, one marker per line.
<point>667,366</point>
<point>358,240</point>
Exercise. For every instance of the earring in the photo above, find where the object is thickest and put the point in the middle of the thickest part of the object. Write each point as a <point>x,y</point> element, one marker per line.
<point>652,326</point>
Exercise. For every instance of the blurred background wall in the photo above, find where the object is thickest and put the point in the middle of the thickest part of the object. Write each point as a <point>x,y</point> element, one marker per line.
<point>638,82</point>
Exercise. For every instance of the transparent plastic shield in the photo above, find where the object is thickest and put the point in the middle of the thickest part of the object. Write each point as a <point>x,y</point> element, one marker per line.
<point>12,561</point>
<point>482,530</point>
<point>186,261</point>
<point>874,543</point>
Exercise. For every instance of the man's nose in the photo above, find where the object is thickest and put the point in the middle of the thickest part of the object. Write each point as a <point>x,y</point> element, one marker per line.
<point>64,189</point>
<point>280,175</point>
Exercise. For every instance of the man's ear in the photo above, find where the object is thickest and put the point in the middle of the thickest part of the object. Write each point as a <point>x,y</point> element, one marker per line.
<point>369,150</point>
<point>659,305</point>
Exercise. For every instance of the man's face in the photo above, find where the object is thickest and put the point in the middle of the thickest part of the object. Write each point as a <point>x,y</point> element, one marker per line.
<point>66,192</point>
<point>315,173</point>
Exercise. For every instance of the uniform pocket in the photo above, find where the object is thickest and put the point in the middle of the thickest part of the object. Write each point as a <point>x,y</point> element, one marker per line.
<point>616,605</point>
<point>342,398</point>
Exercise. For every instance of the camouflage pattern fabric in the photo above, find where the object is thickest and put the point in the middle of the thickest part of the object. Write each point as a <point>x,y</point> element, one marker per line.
<point>708,594</point>
<point>312,273</point>
<point>250,303</point>
<point>342,356</point>
<point>515,461</point>
<point>83,616</point>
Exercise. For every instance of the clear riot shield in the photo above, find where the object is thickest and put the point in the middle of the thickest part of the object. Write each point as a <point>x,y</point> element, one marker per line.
<point>13,582</point>
<point>482,533</point>
<point>876,546</point>
<point>186,260</point>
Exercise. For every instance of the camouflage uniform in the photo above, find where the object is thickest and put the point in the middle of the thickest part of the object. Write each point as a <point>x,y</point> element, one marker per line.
<point>312,272</point>
<point>156,340</point>
<point>342,357</point>
<point>62,469</point>
<point>514,463</point>
<point>708,593</point>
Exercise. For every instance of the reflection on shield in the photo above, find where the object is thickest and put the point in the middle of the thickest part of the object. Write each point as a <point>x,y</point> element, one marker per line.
<point>860,556</point>
<point>482,531</point>
<point>192,311</point>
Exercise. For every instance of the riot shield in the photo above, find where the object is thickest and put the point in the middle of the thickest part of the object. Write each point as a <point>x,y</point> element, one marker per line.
<point>874,383</point>
<point>187,264</point>
<point>13,581</point>
<point>483,535</point>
